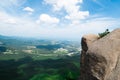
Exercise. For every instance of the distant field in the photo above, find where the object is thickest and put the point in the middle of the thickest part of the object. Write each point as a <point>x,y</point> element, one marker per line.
<point>32,59</point>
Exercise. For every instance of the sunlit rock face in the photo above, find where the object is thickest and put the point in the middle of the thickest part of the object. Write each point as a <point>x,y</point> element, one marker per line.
<point>100,57</point>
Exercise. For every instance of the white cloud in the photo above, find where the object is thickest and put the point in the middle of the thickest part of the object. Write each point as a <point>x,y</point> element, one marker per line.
<point>7,19</point>
<point>17,26</point>
<point>75,31</point>
<point>45,18</point>
<point>71,7</point>
<point>28,28</point>
<point>28,9</point>
<point>9,3</point>
<point>22,26</point>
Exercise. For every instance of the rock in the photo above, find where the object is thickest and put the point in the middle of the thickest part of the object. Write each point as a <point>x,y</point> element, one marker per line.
<point>85,43</point>
<point>100,58</point>
<point>87,40</point>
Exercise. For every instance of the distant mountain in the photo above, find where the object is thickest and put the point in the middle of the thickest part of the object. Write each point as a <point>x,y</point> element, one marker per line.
<point>4,37</point>
<point>21,43</point>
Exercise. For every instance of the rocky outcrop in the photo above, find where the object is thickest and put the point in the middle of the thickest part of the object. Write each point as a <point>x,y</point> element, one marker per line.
<point>100,58</point>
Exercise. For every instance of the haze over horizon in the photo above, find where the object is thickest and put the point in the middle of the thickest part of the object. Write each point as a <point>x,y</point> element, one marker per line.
<point>58,19</point>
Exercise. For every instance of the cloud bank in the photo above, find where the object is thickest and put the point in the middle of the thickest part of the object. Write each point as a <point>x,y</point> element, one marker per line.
<point>45,18</point>
<point>53,26</point>
<point>72,8</point>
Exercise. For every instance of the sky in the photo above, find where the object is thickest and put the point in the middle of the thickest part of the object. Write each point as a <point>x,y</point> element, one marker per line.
<point>58,19</point>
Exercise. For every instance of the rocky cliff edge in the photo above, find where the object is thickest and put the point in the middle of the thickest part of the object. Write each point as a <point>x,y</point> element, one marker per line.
<point>100,57</point>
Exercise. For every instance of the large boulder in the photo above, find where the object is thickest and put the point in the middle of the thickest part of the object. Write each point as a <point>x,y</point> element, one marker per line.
<point>100,58</point>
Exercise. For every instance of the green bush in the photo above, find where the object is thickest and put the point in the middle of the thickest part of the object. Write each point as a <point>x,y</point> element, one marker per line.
<point>104,33</point>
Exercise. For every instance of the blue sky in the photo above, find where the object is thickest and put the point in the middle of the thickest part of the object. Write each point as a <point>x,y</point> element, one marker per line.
<point>58,19</point>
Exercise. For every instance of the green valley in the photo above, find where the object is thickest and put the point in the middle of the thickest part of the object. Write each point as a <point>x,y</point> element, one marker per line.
<point>35,59</point>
